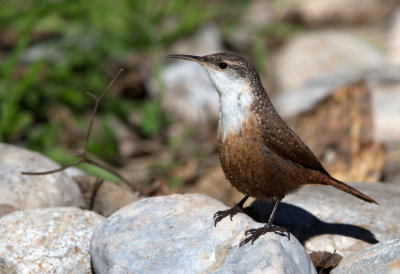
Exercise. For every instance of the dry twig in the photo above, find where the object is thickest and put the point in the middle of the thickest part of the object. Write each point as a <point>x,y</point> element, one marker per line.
<point>95,189</point>
<point>85,157</point>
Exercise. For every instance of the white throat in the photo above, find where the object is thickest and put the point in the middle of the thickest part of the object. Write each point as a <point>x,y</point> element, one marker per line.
<point>233,111</point>
<point>235,99</point>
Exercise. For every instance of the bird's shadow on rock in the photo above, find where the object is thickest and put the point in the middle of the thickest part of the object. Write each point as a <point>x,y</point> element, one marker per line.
<point>304,225</point>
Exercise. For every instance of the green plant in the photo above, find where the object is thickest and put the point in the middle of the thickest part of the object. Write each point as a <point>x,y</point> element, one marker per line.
<point>153,118</point>
<point>40,75</point>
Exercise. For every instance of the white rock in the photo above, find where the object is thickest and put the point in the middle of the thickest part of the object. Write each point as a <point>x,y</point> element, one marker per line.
<point>321,54</point>
<point>47,240</point>
<point>292,102</point>
<point>28,192</point>
<point>327,219</point>
<point>176,234</point>
<point>374,259</point>
<point>188,93</point>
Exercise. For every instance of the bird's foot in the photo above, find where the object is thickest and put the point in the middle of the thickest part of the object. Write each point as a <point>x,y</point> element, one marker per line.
<point>229,212</point>
<point>255,233</point>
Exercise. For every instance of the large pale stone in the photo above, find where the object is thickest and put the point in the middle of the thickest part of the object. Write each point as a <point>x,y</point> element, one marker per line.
<point>47,240</point>
<point>321,54</point>
<point>176,234</point>
<point>326,219</point>
<point>28,192</point>
<point>374,259</point>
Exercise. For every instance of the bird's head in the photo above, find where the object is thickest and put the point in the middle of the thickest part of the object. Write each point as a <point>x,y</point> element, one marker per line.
<point>229,73</point>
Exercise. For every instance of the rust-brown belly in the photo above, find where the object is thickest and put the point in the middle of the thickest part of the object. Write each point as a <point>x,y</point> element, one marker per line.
<point>255,170</point>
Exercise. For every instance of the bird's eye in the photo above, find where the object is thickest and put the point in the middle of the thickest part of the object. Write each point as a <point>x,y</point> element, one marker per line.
<point>223,65</point>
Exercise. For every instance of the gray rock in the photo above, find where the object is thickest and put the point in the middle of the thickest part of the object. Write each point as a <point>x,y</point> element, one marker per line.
<point>320,54</point>
<point>176,234</point>
<point>326,219</point>
<point>48,240</point>
<point>28,192</point>
<point>292,102</point>
<point>188,93</point>
<point>372,260</point>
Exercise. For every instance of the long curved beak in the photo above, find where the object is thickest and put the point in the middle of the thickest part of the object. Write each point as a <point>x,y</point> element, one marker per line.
<point>197,59</point>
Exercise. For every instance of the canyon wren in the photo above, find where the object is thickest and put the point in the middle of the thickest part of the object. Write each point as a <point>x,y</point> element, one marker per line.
<point>259,154</point>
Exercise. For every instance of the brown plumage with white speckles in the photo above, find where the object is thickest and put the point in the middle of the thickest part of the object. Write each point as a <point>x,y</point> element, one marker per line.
<point>260,155</point>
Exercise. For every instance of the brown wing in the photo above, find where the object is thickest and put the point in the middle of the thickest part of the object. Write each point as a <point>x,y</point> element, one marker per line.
<point>282,140</point>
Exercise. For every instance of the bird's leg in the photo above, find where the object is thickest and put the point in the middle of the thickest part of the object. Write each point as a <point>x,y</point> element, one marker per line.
<point>257,232</point>
<point>231,212</point>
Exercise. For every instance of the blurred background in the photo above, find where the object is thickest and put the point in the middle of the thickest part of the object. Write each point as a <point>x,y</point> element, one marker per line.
<point>332,69</point>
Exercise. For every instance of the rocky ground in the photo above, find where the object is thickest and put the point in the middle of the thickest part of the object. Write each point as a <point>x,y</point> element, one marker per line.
<point>119,231</point>
<point>337,84</point>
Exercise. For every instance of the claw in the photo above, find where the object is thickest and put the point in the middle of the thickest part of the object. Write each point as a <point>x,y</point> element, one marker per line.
<point>250,231</point>
<point>255,233</point>
<point>245,241</point>
<point>219,215</point>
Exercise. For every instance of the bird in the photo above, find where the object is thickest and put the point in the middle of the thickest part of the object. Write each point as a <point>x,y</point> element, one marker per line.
<point>260,154</point>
